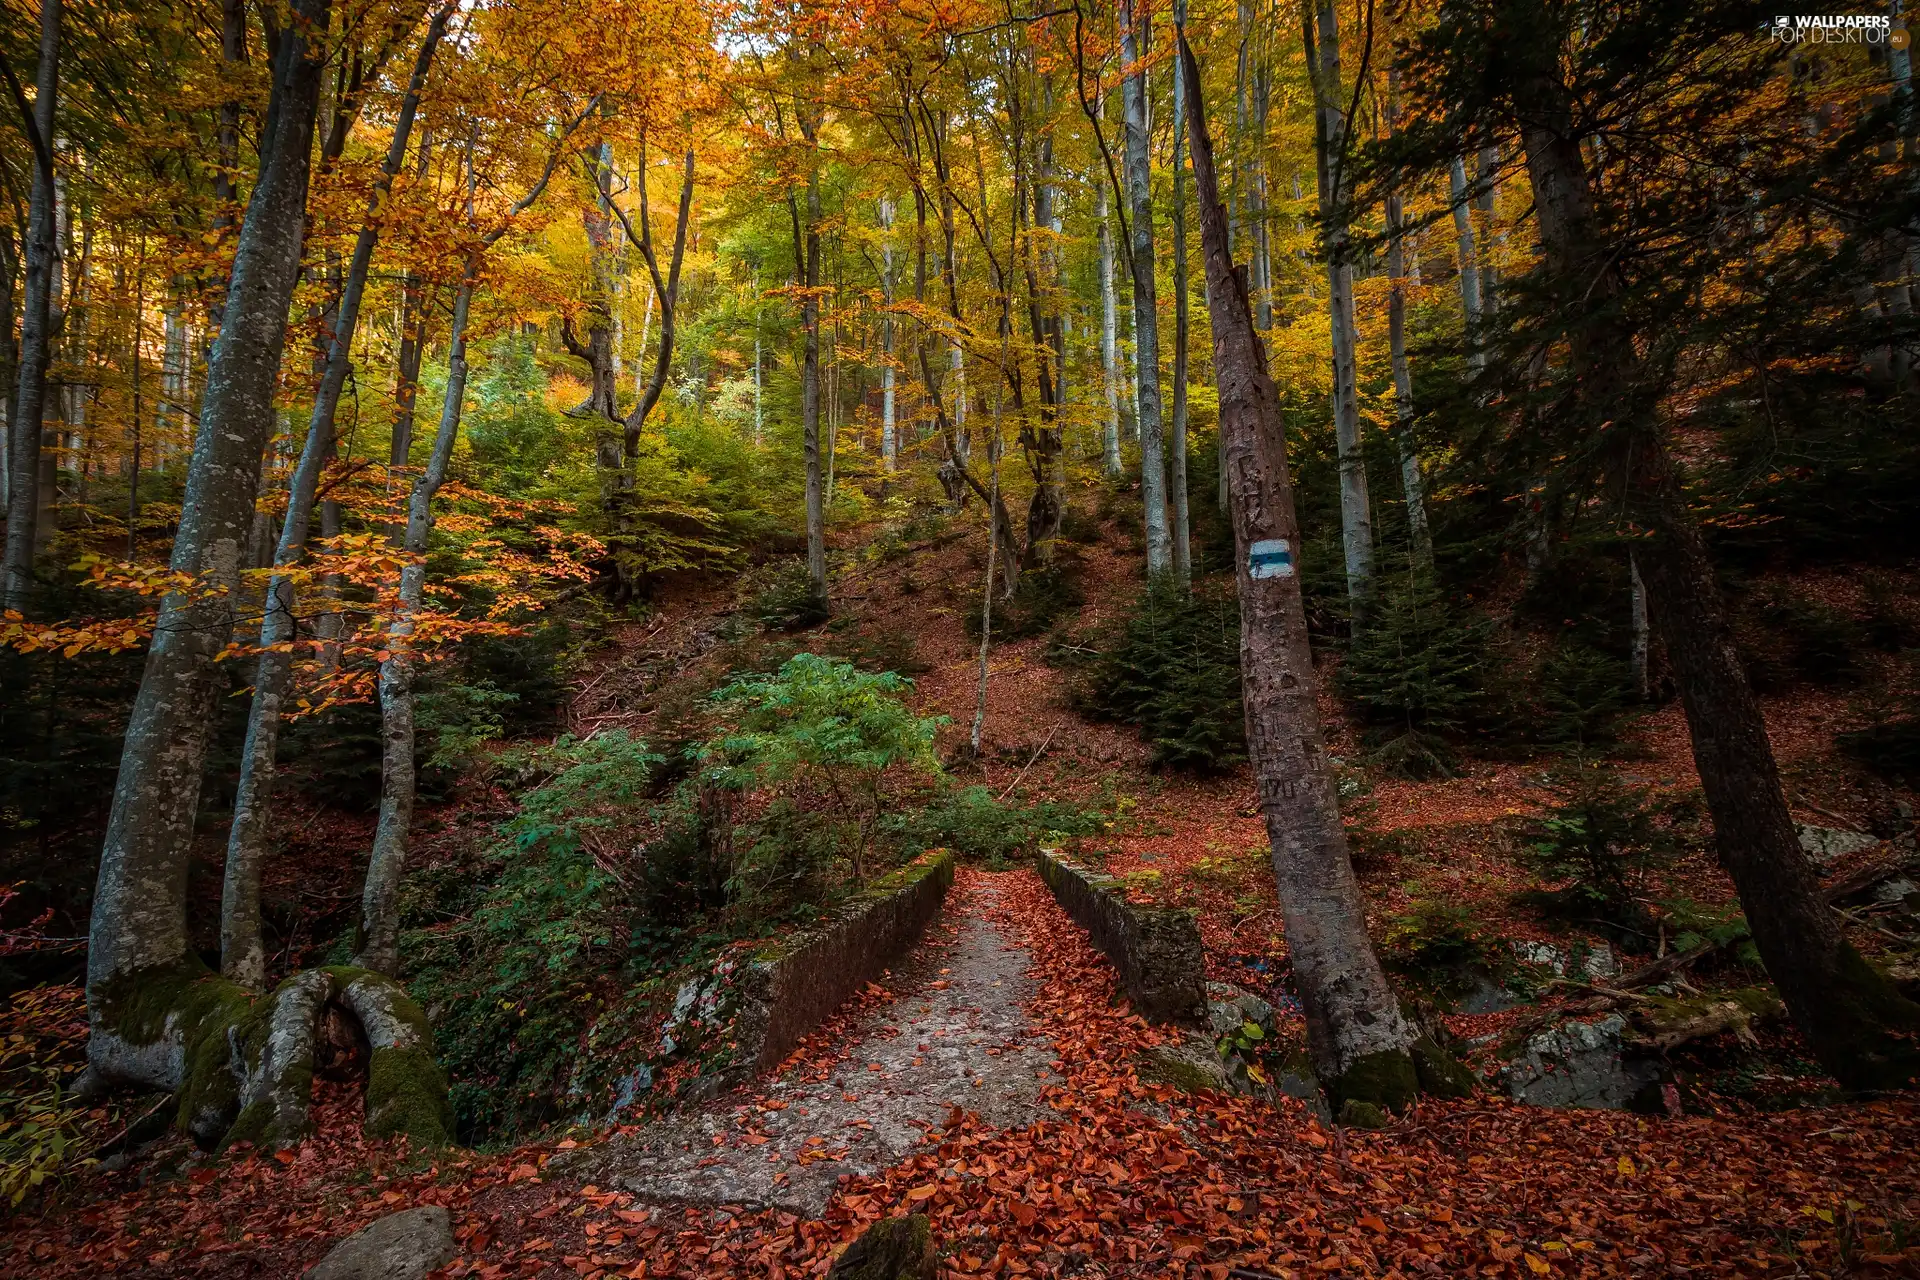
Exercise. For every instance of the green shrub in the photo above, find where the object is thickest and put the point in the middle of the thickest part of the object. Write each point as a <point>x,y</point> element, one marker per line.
<point>1173,668</point>
<point>513,989</point>
<point>1584,694</point>
<point>1694,925</point>
<point>824,725</point>
<point>1790,638</point>
<point>972,823</point>
<point>1891,748</point>
<point>1415,674</point>
<point>788,601</point>
<point>1603,839</point>
<point>1437,946</point>
<point>1044,595</point>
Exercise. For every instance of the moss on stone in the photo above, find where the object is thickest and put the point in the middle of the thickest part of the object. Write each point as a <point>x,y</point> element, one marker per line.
<point>1356,1114</point>
<point>1386,1079</point>
<point>407,1096</point>
<point>1168,1066</point>
<point>1441,1075</point>
<point>891,1249</point>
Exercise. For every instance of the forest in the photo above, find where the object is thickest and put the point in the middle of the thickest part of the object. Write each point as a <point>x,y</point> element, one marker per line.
<point>942,638</point>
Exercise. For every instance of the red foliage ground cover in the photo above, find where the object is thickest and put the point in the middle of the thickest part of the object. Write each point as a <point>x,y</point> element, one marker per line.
<point>1127,1179</point>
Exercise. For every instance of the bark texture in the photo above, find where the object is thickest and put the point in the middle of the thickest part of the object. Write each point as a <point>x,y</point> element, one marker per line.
<point>1146,315</point>
<point>242,950</point>
<point>139,913</point>
<point>1860,1027</point>
<point>1359,1041</point>
<point>24,495</point>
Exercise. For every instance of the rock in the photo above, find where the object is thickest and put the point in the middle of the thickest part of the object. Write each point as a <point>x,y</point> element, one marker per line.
<point>1190,1065</point>
<point>1824,844</point>
<point>1589,960</point>
<point>637,1082</point>
<point>400,1246</point>
<point>1487,996</point>
<point>1356,1114</point>
<point>890,1249</point>
<point>1229,1006</point>
<point>1579,1064</point>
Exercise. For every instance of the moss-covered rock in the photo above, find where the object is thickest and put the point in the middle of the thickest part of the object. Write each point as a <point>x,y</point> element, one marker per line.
<point>1189,1066</point>
<point>1356,1114</point>
<point>891,1249</point>
<point>1441,1075</point>
<point>1385,1079</point>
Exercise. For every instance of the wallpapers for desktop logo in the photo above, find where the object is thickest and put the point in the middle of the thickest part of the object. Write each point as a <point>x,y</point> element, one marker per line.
<point>1838,28</point>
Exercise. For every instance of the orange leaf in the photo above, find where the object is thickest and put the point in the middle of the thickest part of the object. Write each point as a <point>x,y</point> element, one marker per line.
<point>923,1193</point>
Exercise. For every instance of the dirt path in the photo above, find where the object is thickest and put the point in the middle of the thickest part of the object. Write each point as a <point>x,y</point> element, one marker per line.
<point>956,1036</point>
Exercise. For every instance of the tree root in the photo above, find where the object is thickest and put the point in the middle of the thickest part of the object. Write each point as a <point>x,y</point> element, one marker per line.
<point>241,1066</point>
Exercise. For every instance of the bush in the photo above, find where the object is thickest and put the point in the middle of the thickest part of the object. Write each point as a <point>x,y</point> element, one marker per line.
<point>1584,694</point>
<point>1173,668</point>
<point>825,725</point>
<point>1789,638</point>
<point>1437,946</point>
<point>788,601</point>
<point>513,990</point>
<point>1604,838</point>
<point>972,823</point>
<point>1044,595</point>
<point>1415,672</point>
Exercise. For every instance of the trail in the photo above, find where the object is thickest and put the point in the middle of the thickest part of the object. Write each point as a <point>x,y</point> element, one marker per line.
<point>954,1036</point>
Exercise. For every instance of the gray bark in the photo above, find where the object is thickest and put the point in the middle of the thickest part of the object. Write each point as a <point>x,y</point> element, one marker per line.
<point>36,326</point>
<point>379,899</point>
<point>1469,260</point>
<point>1356,512</point>
<point>1182,336</point>
<point>1356,1034</point>
<point>1412,486</point>
<point>1642,633</point>
<point>1109,338</point>
<point>139,913</point>
<point>888,445</point>
<point>810,396</point>
<point>242,952</point>
<point>1146,318</point>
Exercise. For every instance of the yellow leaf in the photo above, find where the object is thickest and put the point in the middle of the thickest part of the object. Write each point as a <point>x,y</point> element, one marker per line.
<point>1538,1266</point>
<point>1626,1166</point>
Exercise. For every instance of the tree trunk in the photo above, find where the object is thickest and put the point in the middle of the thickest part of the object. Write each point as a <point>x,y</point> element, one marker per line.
<point>888,446</point>
<point>1356,512</point>
<point>415,308</point>
<point>1182,335</point>
<point>139,927</point>
<point>1469,260</point>
<point>242,952</point>
<point>1146,316</point>
<point>1411,485</point>
<point>1359,1041</point>
<point>379,932</point>
<point>36,329</point>
<point>810,397</point>
<point>1109,337</point>
<point>1857,1024</point>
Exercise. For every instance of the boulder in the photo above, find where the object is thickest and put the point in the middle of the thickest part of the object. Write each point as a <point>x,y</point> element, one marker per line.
<point>890,1249</point>
<point>401,1246</point>
<point>1189,1065</point>
<point>1229,1006</point>
<point>1580,1064</point>
<point>1824,844</point>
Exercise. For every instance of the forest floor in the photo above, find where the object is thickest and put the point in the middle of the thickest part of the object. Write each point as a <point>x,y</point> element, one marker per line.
<point>1117,1177</point>
<point>1022,1127</point>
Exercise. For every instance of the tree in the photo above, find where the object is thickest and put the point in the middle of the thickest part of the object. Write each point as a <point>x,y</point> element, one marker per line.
<point>242,955</point>
<point>1134,28</point>
<point>1331,127</point>
<point>1362,1047</point>
<point>42,255</point>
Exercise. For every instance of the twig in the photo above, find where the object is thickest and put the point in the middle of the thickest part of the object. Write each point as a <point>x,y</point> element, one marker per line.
<point>1030,760</point>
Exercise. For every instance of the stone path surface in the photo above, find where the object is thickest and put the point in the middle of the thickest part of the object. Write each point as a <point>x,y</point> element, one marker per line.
<point>957,1037</point>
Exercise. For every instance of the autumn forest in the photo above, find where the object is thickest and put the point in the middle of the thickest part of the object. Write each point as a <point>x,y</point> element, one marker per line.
<point>948,638</point>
